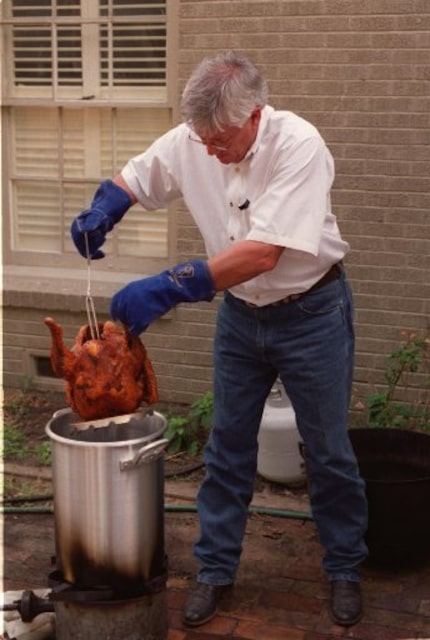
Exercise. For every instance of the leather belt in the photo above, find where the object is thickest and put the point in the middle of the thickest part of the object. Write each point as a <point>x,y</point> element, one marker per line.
<point>332,274</point>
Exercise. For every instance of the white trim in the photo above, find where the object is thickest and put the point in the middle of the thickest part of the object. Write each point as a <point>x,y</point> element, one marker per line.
<point>89,147</point>
<point>94,83</point>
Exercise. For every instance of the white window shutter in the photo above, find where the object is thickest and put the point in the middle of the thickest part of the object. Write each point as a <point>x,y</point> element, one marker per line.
<point>38,226</point>
<point>141,233</point>
<point>73,143</point>
<point>110,50</point>
<point>88,49</point>
<point>35,189</point>
<point>35,148</point>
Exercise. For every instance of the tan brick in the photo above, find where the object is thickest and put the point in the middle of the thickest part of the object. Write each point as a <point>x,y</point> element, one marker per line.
<point>359,72</point>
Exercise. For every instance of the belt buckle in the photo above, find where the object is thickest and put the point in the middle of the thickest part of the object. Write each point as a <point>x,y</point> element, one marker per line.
<point>294,296</point>
<point>291,298</point>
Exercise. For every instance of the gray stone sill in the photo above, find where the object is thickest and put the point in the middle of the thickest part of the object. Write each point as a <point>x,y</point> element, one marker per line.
<point>60,288</point>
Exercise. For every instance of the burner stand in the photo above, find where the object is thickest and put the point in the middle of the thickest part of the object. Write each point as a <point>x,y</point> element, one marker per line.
<point>143,618</point>
<point>85,613</point>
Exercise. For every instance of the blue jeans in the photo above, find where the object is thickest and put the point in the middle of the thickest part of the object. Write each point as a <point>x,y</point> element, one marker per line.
<point>309,344</point>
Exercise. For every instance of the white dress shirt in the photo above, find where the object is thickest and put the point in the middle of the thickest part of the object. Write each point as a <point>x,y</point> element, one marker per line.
<point>278,194</point>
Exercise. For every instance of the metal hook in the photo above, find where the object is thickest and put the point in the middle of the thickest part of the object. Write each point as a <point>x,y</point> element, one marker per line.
<point>89,303</point>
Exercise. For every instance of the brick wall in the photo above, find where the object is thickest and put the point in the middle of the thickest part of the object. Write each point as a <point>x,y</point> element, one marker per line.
<point>179,345</point>
<point>359,70</point>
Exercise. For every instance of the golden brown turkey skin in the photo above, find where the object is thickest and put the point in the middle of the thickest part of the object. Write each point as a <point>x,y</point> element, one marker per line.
<point>104,377</point>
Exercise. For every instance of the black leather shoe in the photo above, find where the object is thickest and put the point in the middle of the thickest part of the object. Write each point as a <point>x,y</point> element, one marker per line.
<point>202,603</point>
<point>346,607</point>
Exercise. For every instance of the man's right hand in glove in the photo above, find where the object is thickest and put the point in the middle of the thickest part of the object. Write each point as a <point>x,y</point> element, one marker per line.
<point>141,302</point>
<point>107,208</point>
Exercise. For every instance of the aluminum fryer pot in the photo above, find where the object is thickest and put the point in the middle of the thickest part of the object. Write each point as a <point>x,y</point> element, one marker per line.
<point>108,484</point>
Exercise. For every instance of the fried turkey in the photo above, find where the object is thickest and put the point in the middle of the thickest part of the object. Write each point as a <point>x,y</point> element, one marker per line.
<point>104,377</point>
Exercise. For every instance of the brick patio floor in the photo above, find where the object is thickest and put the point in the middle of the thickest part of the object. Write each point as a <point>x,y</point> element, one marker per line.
<point>280,592</point>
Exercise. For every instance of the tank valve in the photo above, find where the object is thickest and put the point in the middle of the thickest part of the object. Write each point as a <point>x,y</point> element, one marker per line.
<point>29,606</point>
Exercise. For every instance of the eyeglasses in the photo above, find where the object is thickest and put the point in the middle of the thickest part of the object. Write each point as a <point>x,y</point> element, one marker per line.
<point>217,147</point>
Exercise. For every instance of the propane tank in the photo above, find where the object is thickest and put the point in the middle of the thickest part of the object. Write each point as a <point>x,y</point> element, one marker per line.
<point>279,458</point>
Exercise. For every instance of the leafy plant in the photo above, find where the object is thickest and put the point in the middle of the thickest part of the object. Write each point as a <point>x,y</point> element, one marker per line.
<point>384,409</point>
<point>187,433</point>
<point>201,411</point>
<point>17,409</point>
<point>25,489</point>
<point>44,454</point>
<point>17,405</point>
<point>14,443</point>
<point>176,432</point>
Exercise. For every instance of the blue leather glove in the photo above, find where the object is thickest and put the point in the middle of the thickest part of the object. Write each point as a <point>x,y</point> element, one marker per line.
<point>141,302</point>
<point>107,208</point>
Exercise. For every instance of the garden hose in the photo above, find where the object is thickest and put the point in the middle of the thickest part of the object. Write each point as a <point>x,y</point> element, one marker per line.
<point>175,508</point>
<point>8,508</point>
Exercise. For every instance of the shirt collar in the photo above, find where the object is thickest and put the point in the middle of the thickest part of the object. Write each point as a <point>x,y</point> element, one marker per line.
<point>265,115</point>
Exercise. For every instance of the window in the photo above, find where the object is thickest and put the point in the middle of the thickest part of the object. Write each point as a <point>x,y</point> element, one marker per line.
<point>86,49</point>
<point>85,89</point>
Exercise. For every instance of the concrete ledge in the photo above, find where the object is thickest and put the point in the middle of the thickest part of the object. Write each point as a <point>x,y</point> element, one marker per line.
<point>44,287</point>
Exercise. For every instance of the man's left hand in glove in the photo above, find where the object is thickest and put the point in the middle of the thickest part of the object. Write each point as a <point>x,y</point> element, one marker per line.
<point>111,201</point>
<point>141,302</point>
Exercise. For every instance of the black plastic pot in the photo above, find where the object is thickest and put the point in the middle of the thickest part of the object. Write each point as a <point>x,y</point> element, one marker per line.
<point>395,464</point>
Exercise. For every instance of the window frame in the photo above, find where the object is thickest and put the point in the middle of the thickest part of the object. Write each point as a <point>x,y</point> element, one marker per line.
<point>90,89</point>
<point>145,100</point>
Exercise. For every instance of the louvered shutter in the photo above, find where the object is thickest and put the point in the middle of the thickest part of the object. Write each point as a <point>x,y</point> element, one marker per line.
<point>35,185</point>
<point>52,156</point>
<point>67,49</point>
<point>133,43</point>
<point>72,49</point>
<point>140,233</point>
<point>45,40</point>
<point>48,152</point>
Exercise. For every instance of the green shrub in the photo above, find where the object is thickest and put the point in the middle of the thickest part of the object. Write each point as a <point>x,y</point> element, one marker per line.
<point>189,433</point>
<point>44,454</point>
<point>384,409</point>
<point>15,446</point>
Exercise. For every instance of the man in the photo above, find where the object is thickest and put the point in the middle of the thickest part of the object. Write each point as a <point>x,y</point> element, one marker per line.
<point>257,182</point>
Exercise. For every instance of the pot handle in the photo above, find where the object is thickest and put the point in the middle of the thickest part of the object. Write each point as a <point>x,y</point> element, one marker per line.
<point>147,454</point>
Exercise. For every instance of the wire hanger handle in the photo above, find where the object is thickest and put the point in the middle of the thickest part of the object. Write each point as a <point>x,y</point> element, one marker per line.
<point>89,302</point>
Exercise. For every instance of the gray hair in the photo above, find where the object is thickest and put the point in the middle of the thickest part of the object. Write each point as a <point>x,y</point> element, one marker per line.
<point>222,92</point>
